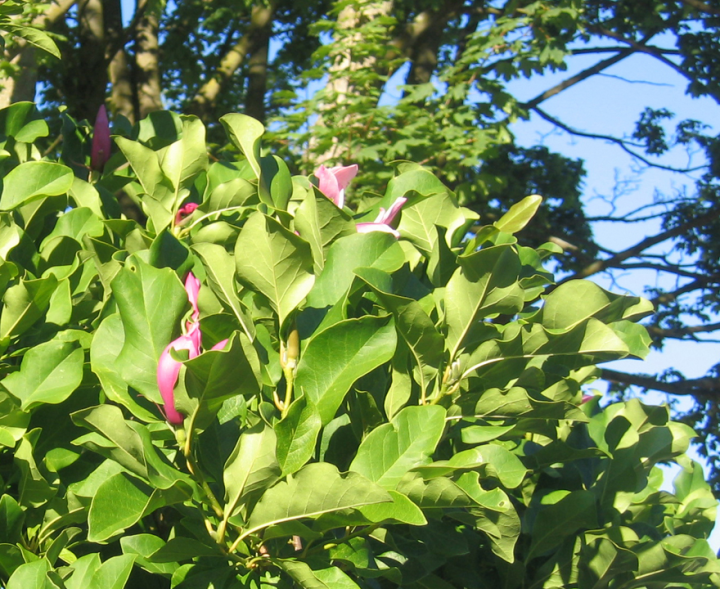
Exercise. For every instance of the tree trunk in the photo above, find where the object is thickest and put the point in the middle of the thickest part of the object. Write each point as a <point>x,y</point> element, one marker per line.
<point>122,98</point>
<point>257,72</point>
<point>23,56</point>
<point>147,69</point>
<point>341,85</point>
<point>205,101</point>
<point>86,83</point>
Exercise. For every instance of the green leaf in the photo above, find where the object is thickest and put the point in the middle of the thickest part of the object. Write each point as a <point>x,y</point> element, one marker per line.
<point>297,434</point>
<point>182,160</point>
<point>121,501</point>
<point>316,489</point>
<point>486,283</point>
<point>151,302</point>
<point>107,343</point>
<point>553,523</point>
<point>113,573</point>
<point>401,510</point>
<point>245,132</point>
<point>362,250</point>
<point>12,518</point>
<point>412,324</point>
<point>34,180</point>
<point>31,575</point>
<point>83,570</point>
<point>220,271</point>
<point>418,222</point>
<point>143,545</point>
<point>392,449</point>
<point>49,373</point>
<point>34,489</point>
<point>34,36</point>
<point>252,466</point>
<point>275,262</point>
<point>25,303</point>
<point>144,162</point>
<point>275,182</point>
<point>327,578</point>
<point>336,357</point>
<point>519,215</point>
<point>320,223</point>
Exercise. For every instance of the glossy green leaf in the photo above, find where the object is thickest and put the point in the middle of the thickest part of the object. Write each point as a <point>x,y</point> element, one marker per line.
<point>49,373</point>
<point>275,262</point>
<point>307,578</point>
<point>519,215</point>
<point>336,357</point>
<point>392,449</point>
<point>314,490</point>
<point>220,268</point>
<point>297,434</point>
<point>486,283</point>
<point>251,467</point>
<point>151,302</point>
<point>34,180</point>
<point>362,250</point>
<point>245,132</point>
<point>25,303</point>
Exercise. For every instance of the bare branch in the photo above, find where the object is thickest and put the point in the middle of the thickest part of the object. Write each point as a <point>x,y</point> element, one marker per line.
<point>682,332</point>
<point>697,386</point>
<point>616,260</point>
<point>577,78</point>
<point>622,144</point>
<point>669,297</point>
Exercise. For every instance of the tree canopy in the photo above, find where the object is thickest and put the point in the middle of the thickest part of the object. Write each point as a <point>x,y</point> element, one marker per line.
<point>456,61</point>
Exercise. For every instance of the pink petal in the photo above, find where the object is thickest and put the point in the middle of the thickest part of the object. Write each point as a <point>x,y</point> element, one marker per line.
<point>101,144</point>
<point>220,345</point>
<point>167,375</point>
<point>344,175</point>
<point>328,185</point>
<point>185,211</point>
<point>192,287</point>
<point>394,209</point>
<point>370,227</point>
<point>193,332</point>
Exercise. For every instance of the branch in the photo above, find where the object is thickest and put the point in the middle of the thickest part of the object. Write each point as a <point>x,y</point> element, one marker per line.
<point>702,7</point>
<point>206,97</point>
<point>617,259</point>
<point>583,75</point>
<point>681,332</point>
<point>668,297</point>
<point>620,142</point>
<point>695,387</point>
<point>53,14</point>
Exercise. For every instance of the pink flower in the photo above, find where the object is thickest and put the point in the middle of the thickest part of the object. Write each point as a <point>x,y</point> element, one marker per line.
<point>101,145</point>
<point>332,182</point>
<point>185,211</point>
<point>169,368</point>
<point>168,371</point>
<point>383,220</point>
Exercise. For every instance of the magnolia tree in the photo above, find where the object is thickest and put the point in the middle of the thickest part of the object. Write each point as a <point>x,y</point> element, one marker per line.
<point>253,386</point>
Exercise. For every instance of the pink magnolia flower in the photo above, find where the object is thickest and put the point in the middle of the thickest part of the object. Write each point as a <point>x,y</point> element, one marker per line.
<point>101,145</point>
<point>169,368</point>
<point>185,211</point>
<point>332,182</point>
<point>384,218</point>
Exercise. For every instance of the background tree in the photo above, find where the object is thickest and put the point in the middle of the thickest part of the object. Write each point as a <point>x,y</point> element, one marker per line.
<point>457,61</point>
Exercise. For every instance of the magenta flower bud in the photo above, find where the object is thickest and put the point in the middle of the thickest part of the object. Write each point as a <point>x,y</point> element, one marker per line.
<point>332,182</point>
<point>220,345</point>
<point>101,141</point>
<point>169,370</point>
<point>185,211</point>
<point>383,220</point>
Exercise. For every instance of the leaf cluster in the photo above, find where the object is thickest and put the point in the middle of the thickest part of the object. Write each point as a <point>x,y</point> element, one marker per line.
<point>383,412</point>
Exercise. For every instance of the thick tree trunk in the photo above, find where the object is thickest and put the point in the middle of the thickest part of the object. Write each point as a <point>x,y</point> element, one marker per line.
<point>86,84</point>
<point>257,72</point>
<point>23,56</point>
<point>147,69</point>
<point>346,64</point>
<point>122,97</point>
<point>205,101</point>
